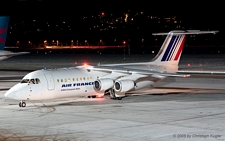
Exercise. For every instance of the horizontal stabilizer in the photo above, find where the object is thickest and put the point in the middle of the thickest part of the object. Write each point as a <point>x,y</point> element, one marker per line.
<point>184,32</point>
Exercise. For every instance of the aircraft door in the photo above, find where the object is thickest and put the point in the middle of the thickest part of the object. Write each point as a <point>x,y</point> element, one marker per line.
<point>50,81</point>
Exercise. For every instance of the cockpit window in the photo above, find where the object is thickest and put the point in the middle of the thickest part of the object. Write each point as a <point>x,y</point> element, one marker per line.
<point>37,81</point>
<point>31,81</point>
<point>25,81</point>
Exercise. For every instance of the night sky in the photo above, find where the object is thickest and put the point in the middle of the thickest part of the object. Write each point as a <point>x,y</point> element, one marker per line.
<point>200,16</point>
<point>75,8</point>
<point>206,12</point>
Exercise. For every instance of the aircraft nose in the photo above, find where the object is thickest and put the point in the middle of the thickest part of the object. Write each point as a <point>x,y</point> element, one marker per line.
<point>10,94</point>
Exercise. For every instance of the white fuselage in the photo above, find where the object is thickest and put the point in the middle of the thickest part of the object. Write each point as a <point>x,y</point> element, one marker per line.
<point>58,83</point>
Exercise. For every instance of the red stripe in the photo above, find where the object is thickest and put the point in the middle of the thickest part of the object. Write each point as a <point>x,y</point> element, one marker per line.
<point>180,49</point>
<point>2,30</point>
<point>2,40</point>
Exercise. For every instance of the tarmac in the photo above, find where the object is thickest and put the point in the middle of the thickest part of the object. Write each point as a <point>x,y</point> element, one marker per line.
<point>174,109</point>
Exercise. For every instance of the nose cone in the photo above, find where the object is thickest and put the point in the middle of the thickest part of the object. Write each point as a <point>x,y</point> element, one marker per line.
<point>10,94</point>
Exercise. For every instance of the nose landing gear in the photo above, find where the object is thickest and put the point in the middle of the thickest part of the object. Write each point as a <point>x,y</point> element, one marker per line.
<point>22,104</point>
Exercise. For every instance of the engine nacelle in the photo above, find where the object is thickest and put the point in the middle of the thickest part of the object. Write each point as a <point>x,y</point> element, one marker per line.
<point>143,84</point>
<point>103,84</point>
<point>123,85</point>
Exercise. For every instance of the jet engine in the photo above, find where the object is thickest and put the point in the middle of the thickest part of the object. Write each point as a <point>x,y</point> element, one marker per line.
<point>123,85</point>
<point>103,84</point>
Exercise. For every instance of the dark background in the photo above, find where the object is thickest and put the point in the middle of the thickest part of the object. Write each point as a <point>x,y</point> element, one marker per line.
<point>206,15</point>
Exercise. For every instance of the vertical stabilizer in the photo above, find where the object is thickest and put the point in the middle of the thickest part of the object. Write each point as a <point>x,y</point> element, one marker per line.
<point>4,21</point>
<point>172,47</point>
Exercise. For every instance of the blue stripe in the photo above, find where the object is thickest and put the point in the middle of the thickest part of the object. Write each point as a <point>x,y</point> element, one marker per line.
<point>172,50</point>
<point>168,48</point>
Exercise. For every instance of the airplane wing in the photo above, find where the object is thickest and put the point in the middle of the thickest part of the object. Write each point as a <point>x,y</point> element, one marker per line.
<point>7,54</point>
<point>202,72</point>
<point>155,74</point>
<point>13,54</point>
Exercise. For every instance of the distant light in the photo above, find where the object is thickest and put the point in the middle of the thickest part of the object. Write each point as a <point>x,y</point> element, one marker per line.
<point>85,64</point>
<point>124,42</point>
<point>189,65</point>
<point>103,14</point>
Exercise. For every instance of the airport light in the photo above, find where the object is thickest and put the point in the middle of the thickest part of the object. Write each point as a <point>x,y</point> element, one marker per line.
<point>100,42</point>
<point>124,42</point>
<point>85,42</point>
<point>142,41</point>
<point>71,43</point>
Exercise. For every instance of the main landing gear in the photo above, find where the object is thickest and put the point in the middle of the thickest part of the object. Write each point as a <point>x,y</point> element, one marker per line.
<point>113,96</point>
<point>22,104</point>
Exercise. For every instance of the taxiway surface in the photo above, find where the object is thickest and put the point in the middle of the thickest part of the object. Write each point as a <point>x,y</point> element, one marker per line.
<point>175,109</point>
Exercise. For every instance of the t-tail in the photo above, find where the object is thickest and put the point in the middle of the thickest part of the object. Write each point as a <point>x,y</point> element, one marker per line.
<point>4,21</point>
<point>171,49</point>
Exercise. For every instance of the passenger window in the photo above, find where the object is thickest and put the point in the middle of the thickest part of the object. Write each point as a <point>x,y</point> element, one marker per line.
<point>65,79</point>
<point>57,80</point>
<point>77,79</point>
<point>68,79</point>
<point>87,78</point>
<point>61,80</point>
<point>84,78</point>
<point>38,81</point>
<point>81,79</point>
<point>90,78</point>
<point>73,79</point>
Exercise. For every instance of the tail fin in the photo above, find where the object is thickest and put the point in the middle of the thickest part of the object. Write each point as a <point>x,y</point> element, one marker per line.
<point>172,47</point>
<point>4,21</point>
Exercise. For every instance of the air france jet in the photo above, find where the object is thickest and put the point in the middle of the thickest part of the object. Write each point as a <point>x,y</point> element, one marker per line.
<point>4,21</point>
<point>96,81</point>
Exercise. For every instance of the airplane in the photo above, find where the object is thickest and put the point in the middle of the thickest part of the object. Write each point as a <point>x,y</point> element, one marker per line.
<point>4,21</point>
<point>97,81</point>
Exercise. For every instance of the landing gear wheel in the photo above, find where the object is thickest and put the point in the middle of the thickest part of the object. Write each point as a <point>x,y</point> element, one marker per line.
<point>22,104</point>
<point>112,94</point>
